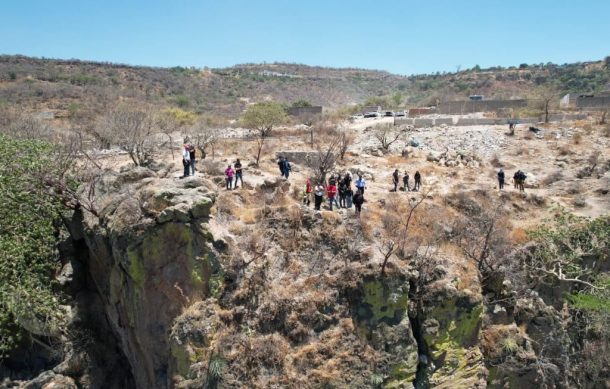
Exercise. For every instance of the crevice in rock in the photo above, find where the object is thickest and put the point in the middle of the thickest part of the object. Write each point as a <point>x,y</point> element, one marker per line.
<point>108,365</point>
<point>415,318</point>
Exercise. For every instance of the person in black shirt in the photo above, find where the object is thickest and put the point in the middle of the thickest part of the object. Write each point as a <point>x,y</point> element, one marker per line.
<point>417,184</point>
<point>238,173</point>
<point>501,179</point>
<point>358,201</point>
<point>395,179</point>
<point>192,155</point>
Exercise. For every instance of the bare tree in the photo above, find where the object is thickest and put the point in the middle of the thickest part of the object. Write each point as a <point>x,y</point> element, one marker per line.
<point>171,120</point>
<point>546,95</point>
<point>204,138</point>
<point>387,135</point>
<point>325,157</point>
<point>132,129</point>
<point>603,115</point>
<point>345,141</point>
<point>484,239</point>
<point>397,231</point>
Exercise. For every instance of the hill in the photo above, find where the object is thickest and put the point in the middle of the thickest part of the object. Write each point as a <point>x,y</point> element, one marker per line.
<point>69,86</point>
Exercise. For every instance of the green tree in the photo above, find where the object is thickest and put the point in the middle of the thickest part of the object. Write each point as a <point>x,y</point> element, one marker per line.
<point>262,117</point>
<point>29,215</point>
<point>302,103</point>
<point>397,99</point>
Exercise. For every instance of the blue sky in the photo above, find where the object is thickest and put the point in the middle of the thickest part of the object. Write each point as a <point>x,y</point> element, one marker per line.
<point>404,37</point>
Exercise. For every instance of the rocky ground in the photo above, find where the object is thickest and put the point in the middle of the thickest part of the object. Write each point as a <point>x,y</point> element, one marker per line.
<point>207,287</point>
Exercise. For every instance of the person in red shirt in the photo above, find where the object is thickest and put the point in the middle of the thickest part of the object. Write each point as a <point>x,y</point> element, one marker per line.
<point>307,193</point>
<point>331,193</point>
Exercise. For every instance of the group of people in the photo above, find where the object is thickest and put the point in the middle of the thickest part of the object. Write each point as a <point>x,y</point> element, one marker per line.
<point>232,173</point>
<point>188,160</point>
<point>405,181</point>
<point>518,180</point>
<point>336,186</point>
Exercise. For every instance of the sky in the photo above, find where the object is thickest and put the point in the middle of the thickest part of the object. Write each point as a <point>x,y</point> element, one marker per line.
<point>403,37</point>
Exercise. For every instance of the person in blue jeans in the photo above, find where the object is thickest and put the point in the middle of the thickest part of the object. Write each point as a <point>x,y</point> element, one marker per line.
<point>286,168</point>
<point>238,173</point>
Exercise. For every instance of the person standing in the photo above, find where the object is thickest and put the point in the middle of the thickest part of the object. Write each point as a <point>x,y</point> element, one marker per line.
<point>358,201</point>
<point>349,193</point>
<point>331,193</point>
<point>280,164</point>
<point>319,195</point>
<point>405,182</point>
<point>287,167</point>
<point>229,173</point>
<point>307,193</point>
<point>516,179</point>
<point>501,179</point>
<point>238,173</point>
<point>417,184</point>
<point>360,184</point>
<point>192,156</point>
<point>521,181</point>
<point>395,179</point>
<point>186,161</point>
<point>342,194</point>
<point>348,179</point>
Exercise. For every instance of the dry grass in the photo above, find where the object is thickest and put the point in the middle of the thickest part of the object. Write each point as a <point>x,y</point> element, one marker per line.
<point>248,215</point>
<point>519,236</point>
<point>396,160</point>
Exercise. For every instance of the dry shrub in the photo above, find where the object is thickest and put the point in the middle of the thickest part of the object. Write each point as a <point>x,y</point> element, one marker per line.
<point>248,215</point>
<point>226,205</point>
<point>211,167</point>
<point>564,150</point>
<point>269,351</point>
<point>577,138</point>
<point>587,128</point>
<point>495,161</point>
<point>574,188</point>
<point>519,236</point>
<point>606,131</point>
<point>552,178</point>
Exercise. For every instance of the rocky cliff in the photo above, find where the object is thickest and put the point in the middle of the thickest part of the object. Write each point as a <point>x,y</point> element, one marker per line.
<point>198,288</point>
<point>150,256</point>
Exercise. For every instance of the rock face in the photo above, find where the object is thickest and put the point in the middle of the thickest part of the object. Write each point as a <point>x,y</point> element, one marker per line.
<point>150,256</point>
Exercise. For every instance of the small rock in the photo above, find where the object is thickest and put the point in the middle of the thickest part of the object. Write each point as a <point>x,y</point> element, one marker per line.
<point>201,208</point>
<point>580,202</point>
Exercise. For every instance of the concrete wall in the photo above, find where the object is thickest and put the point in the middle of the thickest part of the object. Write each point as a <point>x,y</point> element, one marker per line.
<point>371,108</point>
<point>468,106</point>
<point>430,122</point>
<point>593,103</point>
<point>303,111</point>
<point>414,112</point>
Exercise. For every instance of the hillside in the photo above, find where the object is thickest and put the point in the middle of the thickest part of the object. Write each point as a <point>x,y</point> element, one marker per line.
<point>72,86</point>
